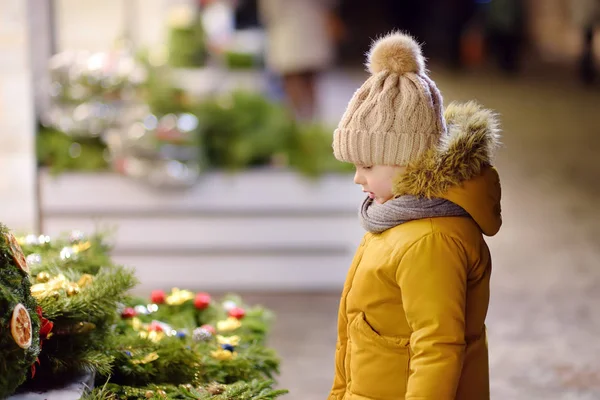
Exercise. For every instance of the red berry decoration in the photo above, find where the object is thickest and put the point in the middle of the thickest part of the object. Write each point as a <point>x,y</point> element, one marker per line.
<point>155,326</point>
<point>209,328</point>
<point>158,297</point>
<point>128,313</point>
<point>202,301</point>
<point>237,312</point>
<point>120,165</point>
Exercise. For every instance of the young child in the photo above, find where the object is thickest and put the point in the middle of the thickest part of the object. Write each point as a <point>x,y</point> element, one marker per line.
<point>412,312</point>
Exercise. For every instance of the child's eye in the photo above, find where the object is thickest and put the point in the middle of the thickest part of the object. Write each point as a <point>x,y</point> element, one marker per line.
<point>367,168</point>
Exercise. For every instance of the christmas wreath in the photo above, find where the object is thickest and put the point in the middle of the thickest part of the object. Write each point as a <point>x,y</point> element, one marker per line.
<point>176,344</point>
<point>19,321</point>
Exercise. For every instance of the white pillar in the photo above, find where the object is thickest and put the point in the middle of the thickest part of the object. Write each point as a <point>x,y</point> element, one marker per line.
<point>18,202</point>
<point>95,25</point>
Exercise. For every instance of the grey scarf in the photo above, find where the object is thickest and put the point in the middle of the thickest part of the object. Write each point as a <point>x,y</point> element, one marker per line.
<point>377,218</point>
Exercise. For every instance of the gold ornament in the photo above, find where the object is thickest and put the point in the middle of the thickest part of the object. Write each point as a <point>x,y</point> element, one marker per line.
<point>153,336</point>
<point>223,355</point>
<point>85,327</point>
<point>20,326</point>
<point>230,340</point>
<point>82,246</point>
<point>161,393</point>
<point>147,358</point>
<point>72,290</point>
<point>149,394</point>
<point>228,325</point>
<point>136,323</point>
<point>178,297</point>
<point>81,327</point>
<point>85,280</point>
<point>52,286</point>
<point>42,277</point>
<point>43,290</point>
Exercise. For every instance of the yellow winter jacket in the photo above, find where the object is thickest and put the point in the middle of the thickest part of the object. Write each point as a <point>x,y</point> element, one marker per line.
<point>412,311</point>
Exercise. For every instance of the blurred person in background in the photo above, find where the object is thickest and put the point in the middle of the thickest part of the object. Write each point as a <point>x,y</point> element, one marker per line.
<point>456,28</point>
<point>505,23</point>
<point>586,16</point>
<point>411,322</point>
<point>301,37</point>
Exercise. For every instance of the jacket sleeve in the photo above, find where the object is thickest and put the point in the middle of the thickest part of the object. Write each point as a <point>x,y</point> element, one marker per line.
<point>433,278</point>
<point>339,380</point>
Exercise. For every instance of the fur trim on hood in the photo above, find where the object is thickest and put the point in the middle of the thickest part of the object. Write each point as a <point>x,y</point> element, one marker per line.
<point>465,151</point>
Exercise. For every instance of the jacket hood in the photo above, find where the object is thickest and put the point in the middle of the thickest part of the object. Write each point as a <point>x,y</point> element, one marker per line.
<point>460,168</point>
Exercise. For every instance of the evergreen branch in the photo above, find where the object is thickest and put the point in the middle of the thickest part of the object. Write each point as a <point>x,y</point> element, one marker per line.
<point>253,390</point>
<point>68,353</point>
<point>253,362</point>
<point>94,303</point>
<point>173,361</point>
<point>92,361</point>
<point>100,393</point>
<point>88,261</point>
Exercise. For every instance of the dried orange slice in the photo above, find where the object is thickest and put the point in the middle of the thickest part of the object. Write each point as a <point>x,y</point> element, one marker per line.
<point>16,251</point>
<point>20,326</point>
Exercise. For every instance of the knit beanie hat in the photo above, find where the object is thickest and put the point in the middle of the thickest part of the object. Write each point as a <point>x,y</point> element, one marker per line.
<point>397,114</point>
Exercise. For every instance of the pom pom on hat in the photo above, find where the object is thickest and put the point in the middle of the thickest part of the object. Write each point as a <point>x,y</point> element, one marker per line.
<point>396,52</point>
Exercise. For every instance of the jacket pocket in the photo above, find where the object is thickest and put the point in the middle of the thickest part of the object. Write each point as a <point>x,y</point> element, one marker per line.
<point>379,365</point>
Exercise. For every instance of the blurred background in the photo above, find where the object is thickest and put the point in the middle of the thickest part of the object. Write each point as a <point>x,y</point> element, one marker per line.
<point>197,134</point>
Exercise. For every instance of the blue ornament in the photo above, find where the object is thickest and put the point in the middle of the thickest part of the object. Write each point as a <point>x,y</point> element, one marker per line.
<point>228,347</point>
<point>181,334</point>
<point>127,352</point>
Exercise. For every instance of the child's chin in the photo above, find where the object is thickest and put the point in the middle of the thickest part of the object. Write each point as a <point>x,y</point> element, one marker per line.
<point>380,200</point>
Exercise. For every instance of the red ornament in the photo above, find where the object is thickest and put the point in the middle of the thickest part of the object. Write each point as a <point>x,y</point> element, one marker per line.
<point>202,301</point>
<point>158,296</point>
<point>37,361</point>
<point>209,328</point>
<point>170,135</point>
<point>155,326</point>
<point>45,332</point>
<point>237,312</point>
<point>45,326</point>
<point>128,313</point>
<point>120,165</point>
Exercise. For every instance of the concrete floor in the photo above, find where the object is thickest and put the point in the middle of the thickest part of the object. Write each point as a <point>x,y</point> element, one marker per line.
<point>544,323</point>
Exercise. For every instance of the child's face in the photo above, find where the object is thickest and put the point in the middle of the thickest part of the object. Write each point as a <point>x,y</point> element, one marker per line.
<point>377,180</point>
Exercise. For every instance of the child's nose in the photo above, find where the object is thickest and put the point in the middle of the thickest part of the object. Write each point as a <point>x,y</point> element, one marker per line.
<point>358,178</point>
